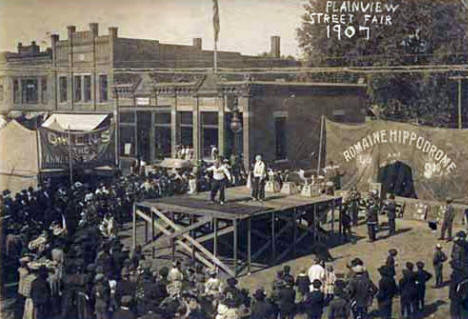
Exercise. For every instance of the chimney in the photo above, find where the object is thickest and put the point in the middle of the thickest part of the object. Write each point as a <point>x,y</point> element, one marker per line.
<point>94,28</point>
<point>275,51</point>
<point>34,48</point>
<point>197,43</point>
<point>71,29</point>
<point>113,32</point>
<point>54,38</point>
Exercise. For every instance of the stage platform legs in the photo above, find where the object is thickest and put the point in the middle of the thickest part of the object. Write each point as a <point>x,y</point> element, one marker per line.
<point>256,242</point>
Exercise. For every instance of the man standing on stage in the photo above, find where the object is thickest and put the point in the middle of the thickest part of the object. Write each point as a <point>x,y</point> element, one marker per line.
<point>220,174</point>
<point>258,181</point>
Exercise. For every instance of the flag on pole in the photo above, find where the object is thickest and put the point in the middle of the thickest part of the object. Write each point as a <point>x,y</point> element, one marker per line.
<point>215,19</point>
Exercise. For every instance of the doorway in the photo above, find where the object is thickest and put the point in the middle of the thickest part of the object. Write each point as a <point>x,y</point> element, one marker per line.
<point>144,127</point>
<point>397,178</point>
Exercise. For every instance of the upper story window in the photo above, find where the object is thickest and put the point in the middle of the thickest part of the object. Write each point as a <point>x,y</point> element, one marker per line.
<point>77,88</point>
<point>29,91</point>
<point>16,92</point>
<point>87,88</point>
<point>44,96</point>
<point>103,88</point>
<point>63,94</point>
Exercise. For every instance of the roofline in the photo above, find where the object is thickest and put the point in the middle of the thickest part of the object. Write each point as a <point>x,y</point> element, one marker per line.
<point>273,83</point>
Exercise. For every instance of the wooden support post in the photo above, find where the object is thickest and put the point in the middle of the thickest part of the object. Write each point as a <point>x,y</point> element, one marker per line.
<point>273,237</point>
<point>146,232</point>
<point>134,227</point>
<point>294,218</point>
<point>192,234</point>
<point>173,248</point>
<point>315,222</point>
<point>215,238</point>
<point>152,226</point>
<point>333,217</point>
<point>249,243</point>
<point>234,255</point>
<point>340,226</point>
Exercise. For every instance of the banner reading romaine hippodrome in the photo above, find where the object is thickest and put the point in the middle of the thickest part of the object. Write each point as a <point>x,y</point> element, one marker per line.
<point>87,149</point>
<point>432,160</point>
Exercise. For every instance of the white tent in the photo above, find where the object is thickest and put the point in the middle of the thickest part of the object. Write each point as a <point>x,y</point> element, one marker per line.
<point>19,164</point>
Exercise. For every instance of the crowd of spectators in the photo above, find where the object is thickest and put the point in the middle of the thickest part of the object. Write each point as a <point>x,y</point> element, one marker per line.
<point>62,244</point>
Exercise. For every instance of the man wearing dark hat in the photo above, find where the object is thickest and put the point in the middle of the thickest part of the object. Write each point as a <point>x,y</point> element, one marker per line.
<point>233,291</point>
<point>314,302</point>
<point>387,290</point>
<point>260,308</point>
<point>101,294</point>
<point>372,220</point>
<point>390,209</point>
<point>459,252</point>
<point>422,276</point>
<point>447,221</point>
<point>361,290</point>
<point>40,294</point>
<point>124,311</point>
<point>408,292</point>
<point>286,299</point>
<point>346,221</point>
<point>354,198</point>
<point>438,262</point>
<point>339,307</point>
<point>390,262</point>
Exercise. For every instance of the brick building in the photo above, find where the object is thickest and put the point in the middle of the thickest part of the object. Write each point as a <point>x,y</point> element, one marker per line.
<point>166,95</point>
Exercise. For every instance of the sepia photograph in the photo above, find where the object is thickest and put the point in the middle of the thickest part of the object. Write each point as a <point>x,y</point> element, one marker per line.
<point>233,159</point>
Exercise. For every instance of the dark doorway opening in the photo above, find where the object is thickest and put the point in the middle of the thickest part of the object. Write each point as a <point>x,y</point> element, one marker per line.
<point>144,127</point>
<point>397,178</point>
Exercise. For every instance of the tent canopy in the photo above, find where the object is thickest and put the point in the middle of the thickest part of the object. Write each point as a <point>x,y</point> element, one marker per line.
<point>19,166</point>
<point>74,122</point>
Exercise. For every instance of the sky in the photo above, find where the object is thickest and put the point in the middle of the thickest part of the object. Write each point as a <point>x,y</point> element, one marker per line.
<point>246,25</point>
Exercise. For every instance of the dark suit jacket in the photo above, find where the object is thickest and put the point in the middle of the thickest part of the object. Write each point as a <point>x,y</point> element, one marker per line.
<point>314,303</point>
<point>123,314</point>
<point>261,310</point>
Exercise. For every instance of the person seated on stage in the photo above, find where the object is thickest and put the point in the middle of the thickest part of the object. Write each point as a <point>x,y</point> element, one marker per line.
<point>258,179</point>
<point>218,183</point>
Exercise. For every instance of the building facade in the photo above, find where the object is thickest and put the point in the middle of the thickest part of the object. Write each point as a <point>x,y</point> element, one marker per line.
<point>166,95</point>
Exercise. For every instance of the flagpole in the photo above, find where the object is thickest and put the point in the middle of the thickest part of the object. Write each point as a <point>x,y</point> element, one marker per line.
<point>215,57</point>
<point>216,34</point>
<point>320,145</point>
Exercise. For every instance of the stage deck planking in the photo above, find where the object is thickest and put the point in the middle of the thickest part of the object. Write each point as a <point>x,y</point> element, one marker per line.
<point>237,206</point>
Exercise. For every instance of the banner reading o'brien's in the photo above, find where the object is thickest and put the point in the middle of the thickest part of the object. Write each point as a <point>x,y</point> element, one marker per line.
<point>435,158</point>
<point>88,149</point>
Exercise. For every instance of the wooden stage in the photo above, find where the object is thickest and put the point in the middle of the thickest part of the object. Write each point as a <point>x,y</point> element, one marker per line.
<point>274,228</point>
